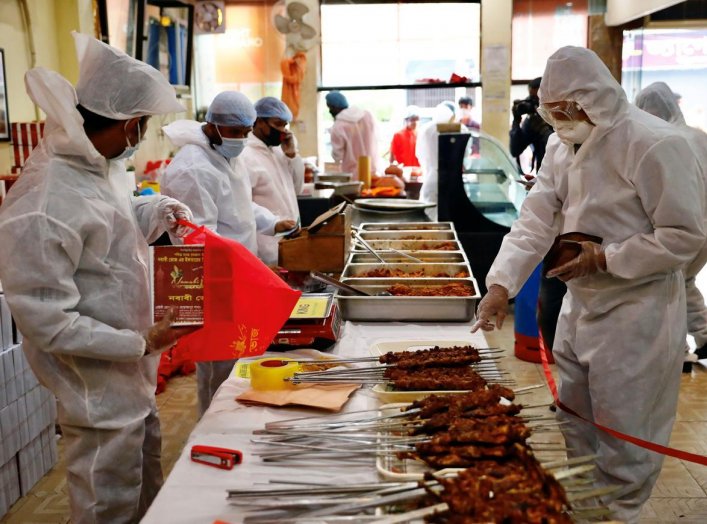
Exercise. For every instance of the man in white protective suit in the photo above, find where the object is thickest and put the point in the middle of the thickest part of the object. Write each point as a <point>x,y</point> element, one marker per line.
<point>275,170</point>
<point>203,176</point>
<point>427,152</point>
<point>659,100</point>
<point>609,171</point>
<point>73,265</point>
<point>353,134</point>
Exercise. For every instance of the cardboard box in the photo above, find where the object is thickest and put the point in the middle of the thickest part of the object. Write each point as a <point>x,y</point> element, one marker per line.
<point>322,246</point>
<point>9,432</point>
<point>9,485</point>
<point>10,380</point>
<point>3,389</point>
<point>36,459</point>
<point>5,324</point>
<point>177,277</point>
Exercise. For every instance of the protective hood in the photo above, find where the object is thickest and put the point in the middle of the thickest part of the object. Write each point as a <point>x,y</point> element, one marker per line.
<point>351,114</point>
<point>183,132</point>
<point>64,134</point>
<point>576,73</point>
<point>117,86</point>
<point>659,100</point>
<point>442,113</point>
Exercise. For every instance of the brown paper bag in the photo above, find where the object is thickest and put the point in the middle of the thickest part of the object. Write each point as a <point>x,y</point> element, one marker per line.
<point>329,397</point>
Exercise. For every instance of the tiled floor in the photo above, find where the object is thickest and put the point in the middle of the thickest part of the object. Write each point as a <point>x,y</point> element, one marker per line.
<point>679,496</point>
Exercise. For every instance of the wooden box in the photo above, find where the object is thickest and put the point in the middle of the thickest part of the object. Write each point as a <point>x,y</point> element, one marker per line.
<point>323,246</point>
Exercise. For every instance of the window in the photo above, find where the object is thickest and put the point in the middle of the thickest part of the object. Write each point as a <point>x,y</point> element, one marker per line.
<point>540,27</point>
<point>677,57</point>
<point>388,55</point>
<point>398,43</point>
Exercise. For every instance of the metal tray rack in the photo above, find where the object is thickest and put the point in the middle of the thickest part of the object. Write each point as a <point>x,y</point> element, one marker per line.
<point>403,234</point>
<point>428,257</point>
<point>407,308</point>
<point>429,270</point>
<point>408,245</point>
<point>407,226</point>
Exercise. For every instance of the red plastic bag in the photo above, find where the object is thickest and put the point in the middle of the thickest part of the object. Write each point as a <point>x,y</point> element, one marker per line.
<point>245,303</point>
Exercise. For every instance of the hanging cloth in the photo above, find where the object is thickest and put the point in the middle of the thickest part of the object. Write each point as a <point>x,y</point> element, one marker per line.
<point>293,70</point>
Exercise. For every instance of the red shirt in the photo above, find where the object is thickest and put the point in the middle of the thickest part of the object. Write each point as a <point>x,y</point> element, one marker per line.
<point>403,147</point>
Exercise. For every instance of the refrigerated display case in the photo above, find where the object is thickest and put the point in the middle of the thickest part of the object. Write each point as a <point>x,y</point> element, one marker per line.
<point>480,191</point>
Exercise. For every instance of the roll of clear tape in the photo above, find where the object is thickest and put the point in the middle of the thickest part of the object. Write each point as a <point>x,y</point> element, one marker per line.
<point>270,373</point>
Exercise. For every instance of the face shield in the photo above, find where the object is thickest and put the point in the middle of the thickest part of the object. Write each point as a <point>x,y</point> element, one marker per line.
<point>564,111</point>
<point>568,119</point>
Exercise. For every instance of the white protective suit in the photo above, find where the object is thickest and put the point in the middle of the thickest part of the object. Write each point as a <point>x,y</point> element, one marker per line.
<point>427,152</point>
<point>659,100</point>
<point>275,181</point>
<point>620,335</point>
<point>73,265</point>
<point>353,135</point>
<point>220,198</point>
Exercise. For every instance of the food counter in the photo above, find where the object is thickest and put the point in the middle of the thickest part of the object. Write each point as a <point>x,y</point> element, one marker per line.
<point>197,493</point>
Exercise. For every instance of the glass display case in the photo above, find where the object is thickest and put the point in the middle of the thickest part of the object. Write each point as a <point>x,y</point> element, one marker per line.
<point>480,190</point>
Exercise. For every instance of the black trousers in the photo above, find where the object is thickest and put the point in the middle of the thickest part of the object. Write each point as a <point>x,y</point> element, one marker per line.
<point>552,291</point>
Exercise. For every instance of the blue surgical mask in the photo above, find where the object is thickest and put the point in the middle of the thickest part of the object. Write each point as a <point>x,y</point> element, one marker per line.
<point>130,149</point>
<point>229,147</point>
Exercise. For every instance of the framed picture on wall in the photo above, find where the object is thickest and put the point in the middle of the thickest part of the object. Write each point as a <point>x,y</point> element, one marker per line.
<point>4,115</point>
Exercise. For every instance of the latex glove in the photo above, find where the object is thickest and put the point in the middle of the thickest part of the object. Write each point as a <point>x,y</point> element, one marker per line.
<point>162,336</point>
<point>495,303</point>
<point>170,211</point>
<point>289,145</point>
<point>590,260</point>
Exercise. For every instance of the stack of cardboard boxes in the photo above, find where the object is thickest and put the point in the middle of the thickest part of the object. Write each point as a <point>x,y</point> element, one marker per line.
<point>27,418</point>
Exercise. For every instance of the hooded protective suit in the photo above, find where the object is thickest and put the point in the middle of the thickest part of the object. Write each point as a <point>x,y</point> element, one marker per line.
<point>219,195</point>
<point>353,135</point>
<point>73,265</point>
<point>427,152</point>
<point>620,335</point>
<point>659,100</point>
<point>275,181</point>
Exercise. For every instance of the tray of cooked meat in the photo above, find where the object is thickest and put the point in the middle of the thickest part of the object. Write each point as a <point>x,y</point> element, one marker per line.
<point>409,245</point>
<point>391,257</point>
<point>407,226</point>
<point>406,271</point>
<point>408,235</point>
<point>410,299</point>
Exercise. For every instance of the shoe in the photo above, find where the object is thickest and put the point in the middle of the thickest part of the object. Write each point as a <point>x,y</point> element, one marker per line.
<point>687,366</point>
<point>701,352</point>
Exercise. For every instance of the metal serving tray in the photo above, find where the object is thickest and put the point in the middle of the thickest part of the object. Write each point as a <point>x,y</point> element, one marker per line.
<point>406,309</point>
<point>428,270</point>
<point>408,245</point>
<point>407,226</point>
<point>406,234</point>
<point>436,257</point>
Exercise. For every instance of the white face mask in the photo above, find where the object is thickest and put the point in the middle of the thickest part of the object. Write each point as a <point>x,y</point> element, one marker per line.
<point>229,147</point>
<point>573,132</point>
<point>130,149</point>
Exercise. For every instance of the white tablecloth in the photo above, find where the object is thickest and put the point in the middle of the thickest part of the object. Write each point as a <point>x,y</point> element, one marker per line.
<point>195,493</point>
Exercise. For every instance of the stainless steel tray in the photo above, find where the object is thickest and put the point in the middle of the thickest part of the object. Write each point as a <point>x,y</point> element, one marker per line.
<point>408,226</point>
<point>436,257</point>
<point>409,245</point>
<point>426,270</point>
<point>407,234</point>
<point>406,309</point>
